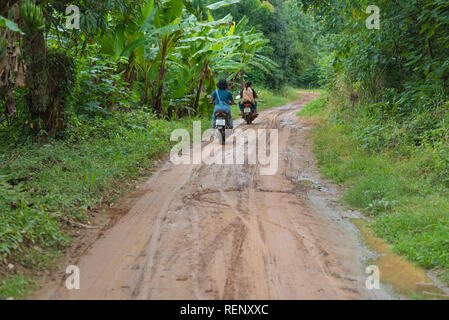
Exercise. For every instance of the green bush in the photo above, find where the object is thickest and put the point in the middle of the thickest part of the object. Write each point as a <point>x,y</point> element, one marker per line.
<point>401,185</point>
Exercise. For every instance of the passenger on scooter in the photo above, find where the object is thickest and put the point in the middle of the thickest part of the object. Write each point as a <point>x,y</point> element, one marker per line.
<point>249,95</point>
<point>222,98</point>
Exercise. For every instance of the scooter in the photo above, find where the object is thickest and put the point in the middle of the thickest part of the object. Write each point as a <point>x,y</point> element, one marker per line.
<point>222,123</point>
<point>248,113</point>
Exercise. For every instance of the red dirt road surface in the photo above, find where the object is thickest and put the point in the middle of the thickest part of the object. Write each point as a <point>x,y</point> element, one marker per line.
<point>228,232</point>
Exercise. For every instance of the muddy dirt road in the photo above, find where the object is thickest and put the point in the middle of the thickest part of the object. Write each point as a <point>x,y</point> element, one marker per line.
<point>227,232</point>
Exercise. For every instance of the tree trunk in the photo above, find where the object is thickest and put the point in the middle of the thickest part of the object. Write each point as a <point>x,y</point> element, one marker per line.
<point>37,80</point>
<point>157,100</point>
<point>130,72</point>
<point>200,85</point>
<point>11,66</point>
<point>398,60</point>
<point>234,80</point>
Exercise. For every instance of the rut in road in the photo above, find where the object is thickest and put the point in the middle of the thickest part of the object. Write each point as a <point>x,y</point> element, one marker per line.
<point>226,232</point>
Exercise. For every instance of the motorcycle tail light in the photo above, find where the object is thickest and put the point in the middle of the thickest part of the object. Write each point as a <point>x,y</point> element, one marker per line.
<point>220,114</point>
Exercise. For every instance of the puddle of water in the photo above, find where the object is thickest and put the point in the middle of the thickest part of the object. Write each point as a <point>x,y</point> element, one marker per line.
<point>406,279</point>
<point>292,124</point>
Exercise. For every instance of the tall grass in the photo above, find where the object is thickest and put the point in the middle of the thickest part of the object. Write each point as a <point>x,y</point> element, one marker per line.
<point>403,188</point>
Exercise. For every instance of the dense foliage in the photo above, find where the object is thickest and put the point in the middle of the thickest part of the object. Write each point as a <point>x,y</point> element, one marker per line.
<point>393,81</point>
<point>403,65</point>
<point>294,44</point>
<point>162,56</point>
<point>386,132</point>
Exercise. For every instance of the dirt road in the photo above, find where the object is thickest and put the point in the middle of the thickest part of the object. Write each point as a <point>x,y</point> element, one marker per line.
<point>227,232</point>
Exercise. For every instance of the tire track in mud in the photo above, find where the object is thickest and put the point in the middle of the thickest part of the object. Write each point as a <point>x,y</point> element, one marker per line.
<point>143,288</point>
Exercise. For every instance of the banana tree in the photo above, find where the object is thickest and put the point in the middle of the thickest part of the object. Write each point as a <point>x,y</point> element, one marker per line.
<point>217,47</point>
<point>245,52</point>
<point>167,24</point>
<point>163,31</point>
<point>11,67</point>
<point>202,42</point>
<point>177,53</point>
<point>202,11</point>
<point>148,46</point>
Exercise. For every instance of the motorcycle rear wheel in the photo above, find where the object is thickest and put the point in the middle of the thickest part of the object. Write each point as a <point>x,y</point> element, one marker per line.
<point>222,136</point>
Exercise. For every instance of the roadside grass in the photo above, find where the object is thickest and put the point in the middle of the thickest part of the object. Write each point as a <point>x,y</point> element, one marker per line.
<point>404,189</point>
<point>314,108</point>
<point>45,188</point>
<point>16,287</point>
<point>269,99</point>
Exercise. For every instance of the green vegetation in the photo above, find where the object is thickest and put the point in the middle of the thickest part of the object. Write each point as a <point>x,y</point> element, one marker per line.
<point>293,45</point>
<point>402,189</point>
<point>385,129</point>
<point>314,108</point>
<point>268,99</point>
<point>14,287</point>
<point>161,56</point>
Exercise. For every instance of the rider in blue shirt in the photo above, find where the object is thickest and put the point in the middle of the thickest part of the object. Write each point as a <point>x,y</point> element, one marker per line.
<point>223,100</point>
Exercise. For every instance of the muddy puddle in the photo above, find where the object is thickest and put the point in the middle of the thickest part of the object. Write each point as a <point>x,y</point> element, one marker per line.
<point>407,280</point>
